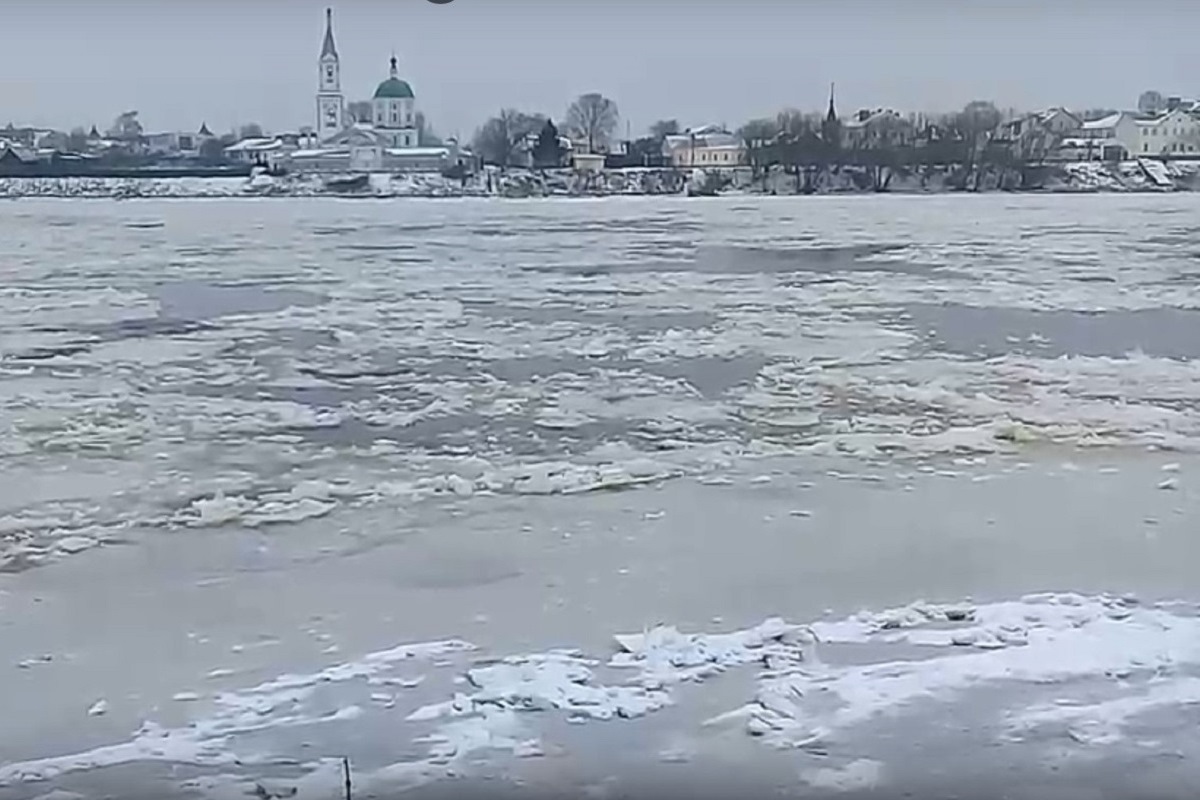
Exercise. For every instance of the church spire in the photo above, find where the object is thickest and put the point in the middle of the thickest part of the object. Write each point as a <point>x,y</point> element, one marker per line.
<point>831,116</point>
<point>329,48</point>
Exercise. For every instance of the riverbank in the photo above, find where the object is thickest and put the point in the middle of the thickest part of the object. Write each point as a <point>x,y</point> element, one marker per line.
<point>1089,177</point>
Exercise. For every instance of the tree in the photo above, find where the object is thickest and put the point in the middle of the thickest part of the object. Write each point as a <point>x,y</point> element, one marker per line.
<point>77,141</point>
<point>425,135</point>
<point>251,130</point>
<point>359,111</point>
<point>977,124</point>
<point>212,149</point>
<point>593,117</point>
<point>548,150</point>
<point>759,130</point>
<point>1152,102</point>
<point>126,127</point>
<point>496,142</point>
<point>664,128</point>
<point>793,123</point>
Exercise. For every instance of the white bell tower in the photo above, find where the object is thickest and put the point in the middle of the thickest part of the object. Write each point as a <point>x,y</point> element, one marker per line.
<point>331,105</point>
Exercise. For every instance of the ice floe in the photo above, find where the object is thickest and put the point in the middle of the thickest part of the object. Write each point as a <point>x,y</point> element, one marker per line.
<point>1087,666</point>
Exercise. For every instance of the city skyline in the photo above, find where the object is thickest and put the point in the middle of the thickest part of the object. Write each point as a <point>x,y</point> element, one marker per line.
<point>228,64</point>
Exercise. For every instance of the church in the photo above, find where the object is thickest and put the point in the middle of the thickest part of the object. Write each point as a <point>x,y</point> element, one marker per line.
<point>390,142</point>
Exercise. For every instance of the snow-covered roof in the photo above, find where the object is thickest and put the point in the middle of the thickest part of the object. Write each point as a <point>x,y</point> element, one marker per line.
<point>867,117</point>
<point>1104,122</point>
<point>418,151</point>
<point>251,144</point>
<point>255,146</point>
<point>718,138</point>
<point>318,153</point>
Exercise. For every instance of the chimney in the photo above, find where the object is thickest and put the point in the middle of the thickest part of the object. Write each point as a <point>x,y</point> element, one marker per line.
<point>1174,103</point>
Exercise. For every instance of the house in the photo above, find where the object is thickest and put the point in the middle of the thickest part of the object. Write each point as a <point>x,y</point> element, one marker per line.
<point>588,162</point>
<point>1172,134</point>
<point>876,128</point>
<point>1103,139</point>
<point>707,146</point>
<point>1040,135</point>
<point>268,151</point>
<point>526,151</point>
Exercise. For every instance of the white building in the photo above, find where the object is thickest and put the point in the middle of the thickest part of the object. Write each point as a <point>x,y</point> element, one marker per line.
<point>390,142</point>
<point>393,112</point>
<point>707,146</point>
<point>879,127</point>
<point>1175,133</point>
<point>331,104</point>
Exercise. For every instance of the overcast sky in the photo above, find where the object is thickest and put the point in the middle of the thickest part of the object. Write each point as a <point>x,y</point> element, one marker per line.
<point>79,62</point>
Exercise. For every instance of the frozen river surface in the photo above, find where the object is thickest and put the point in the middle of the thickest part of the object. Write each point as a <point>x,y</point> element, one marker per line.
<point>280,482</point>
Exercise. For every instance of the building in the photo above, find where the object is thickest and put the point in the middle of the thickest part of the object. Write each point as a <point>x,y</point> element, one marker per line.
<point>876,128</point>
<point>177,143</point>
<point>1174,134</point>
<point>707,146</point>
<point>390,142</point>
<point>331,104</point>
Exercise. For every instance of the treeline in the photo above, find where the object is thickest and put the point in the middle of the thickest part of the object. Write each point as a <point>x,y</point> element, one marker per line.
<point>881,145</point>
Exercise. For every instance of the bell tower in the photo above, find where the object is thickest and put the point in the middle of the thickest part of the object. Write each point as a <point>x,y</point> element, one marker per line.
<point>330,102</point>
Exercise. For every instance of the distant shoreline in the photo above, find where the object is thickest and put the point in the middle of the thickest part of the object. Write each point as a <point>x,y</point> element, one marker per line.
<point>1132,177</point>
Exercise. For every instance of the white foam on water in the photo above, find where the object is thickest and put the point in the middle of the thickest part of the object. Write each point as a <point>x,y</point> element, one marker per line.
<point>206,740</point>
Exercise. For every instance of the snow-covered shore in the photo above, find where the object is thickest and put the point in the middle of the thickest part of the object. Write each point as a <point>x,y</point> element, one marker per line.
<point>1132,176</point>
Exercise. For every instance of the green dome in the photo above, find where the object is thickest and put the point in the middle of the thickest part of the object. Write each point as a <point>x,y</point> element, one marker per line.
<point>393,88</point>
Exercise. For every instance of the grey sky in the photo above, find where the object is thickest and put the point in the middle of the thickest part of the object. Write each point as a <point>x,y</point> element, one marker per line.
<point>79,62</point>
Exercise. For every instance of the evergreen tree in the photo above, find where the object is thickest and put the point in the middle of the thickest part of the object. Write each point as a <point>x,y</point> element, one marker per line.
<point>548,150</point>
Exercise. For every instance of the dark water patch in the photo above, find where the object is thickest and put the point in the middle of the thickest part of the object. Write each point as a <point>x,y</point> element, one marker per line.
<point>216,250</point>
<point>630,322</point>
<point>335,230</point>
<point>144,328</point>
<point>379,248</point>
<point>353,373</point>
<point>1066,230</point>
<point>733,260</point>
<point>320,397</point>
<point>195,300</point>
<point>990,331</point>
<point>659,224</point>
<point>47,353</point>
<point>495,231</point>
<point>145,225</point>
<point>415,227</point>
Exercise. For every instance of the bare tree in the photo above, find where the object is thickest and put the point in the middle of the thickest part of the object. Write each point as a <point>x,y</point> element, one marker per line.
<point>593,117</point>
<point>77,141</point>
<point>1152,102</point>
<point>977,124</point>
<point>359,111</point>
<point>496,142</point>
<point>425,135</point>
<point>793,123</point>
<point>126,127</point>
<point>759,130</point>
<point>664,128</point>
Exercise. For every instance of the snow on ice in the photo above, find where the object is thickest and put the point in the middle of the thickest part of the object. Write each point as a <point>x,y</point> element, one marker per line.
<point>1037,651</point>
